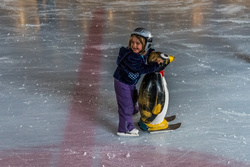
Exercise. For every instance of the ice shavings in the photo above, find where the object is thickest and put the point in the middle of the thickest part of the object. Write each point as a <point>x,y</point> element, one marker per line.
<point>194,45</point>
<point>34,25</point>
<point>233,113</point>
<point>111,155</point>
<point>5,60</point>
<point>9,7</point>
<point>105,47</point>
<point>227,36</point>
<point>231,9</point>
<point>242,21</point>
<point>127,155</point>
<point>71,152</point>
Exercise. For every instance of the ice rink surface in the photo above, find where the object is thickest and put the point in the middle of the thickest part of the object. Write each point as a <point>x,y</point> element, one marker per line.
<point>57,101</point>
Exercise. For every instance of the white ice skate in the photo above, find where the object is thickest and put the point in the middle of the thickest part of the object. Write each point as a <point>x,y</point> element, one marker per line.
<point>134,132</point>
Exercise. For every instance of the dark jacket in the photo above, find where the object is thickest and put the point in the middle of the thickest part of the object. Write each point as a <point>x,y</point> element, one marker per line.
<point>131,65</point>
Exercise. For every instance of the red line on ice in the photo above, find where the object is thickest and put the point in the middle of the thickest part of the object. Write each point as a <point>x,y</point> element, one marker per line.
<point>80,128</point>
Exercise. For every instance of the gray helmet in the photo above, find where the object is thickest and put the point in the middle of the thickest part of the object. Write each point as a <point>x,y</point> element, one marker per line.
<point>145,34</point>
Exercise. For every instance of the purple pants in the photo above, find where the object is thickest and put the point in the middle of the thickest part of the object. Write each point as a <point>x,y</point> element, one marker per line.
<point>126,96</point>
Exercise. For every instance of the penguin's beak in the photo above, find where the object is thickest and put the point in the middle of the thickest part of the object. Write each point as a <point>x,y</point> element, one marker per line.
<point>171,58</point>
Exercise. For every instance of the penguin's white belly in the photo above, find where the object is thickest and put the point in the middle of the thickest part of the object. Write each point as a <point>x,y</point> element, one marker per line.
<point>159,118</point>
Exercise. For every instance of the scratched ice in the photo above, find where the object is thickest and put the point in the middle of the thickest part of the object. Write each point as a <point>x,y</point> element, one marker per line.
<point>57,102</point>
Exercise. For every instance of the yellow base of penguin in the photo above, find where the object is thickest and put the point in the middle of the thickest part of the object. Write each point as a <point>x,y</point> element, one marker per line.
<point>160,126</point>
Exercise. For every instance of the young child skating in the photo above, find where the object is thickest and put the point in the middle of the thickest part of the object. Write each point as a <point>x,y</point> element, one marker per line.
<point>131,63</point>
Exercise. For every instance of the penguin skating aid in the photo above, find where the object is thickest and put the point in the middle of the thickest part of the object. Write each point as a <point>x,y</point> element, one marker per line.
<point>154,98</point>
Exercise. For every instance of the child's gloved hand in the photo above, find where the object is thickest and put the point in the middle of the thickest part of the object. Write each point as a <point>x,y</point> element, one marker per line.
<point>159,61</point>
<point>160,58</point>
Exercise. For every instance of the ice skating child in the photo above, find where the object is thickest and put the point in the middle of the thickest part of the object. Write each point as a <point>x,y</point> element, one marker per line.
<point>131,63</point>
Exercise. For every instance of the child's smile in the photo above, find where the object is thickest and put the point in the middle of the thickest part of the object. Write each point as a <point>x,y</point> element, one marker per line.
<point>136,45</point>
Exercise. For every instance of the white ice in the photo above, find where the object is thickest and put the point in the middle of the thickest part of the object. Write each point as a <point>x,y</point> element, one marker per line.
<point>42,43</point>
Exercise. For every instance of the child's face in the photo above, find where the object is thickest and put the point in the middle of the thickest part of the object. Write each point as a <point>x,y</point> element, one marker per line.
<point>136,45</point>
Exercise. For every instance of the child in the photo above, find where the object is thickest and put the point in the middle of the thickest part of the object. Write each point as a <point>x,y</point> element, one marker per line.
<point>131,64</point>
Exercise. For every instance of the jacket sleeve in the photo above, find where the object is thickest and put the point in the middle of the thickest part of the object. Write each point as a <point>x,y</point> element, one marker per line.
<point>148,68</point>
<point>136,64</point>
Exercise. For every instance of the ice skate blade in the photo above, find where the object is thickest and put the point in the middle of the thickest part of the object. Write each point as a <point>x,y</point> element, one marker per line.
<point>127,134</point>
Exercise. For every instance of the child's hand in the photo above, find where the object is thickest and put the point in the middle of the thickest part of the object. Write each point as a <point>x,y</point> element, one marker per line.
<point>159,61</point>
